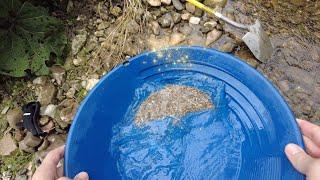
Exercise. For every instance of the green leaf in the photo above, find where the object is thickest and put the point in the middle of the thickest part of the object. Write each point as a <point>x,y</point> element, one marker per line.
<point>31,41</point>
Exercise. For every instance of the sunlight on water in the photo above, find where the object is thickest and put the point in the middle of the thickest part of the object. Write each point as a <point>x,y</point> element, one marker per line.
<point>202,145</point>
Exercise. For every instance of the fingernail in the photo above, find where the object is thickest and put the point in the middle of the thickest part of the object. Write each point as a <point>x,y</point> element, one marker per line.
<point>292,149</point>
<point>81,176</point>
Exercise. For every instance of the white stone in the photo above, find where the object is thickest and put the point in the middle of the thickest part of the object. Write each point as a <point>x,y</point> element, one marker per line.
<point>166,2</point>
<point>49,110</point>
<point>194,20</point>
<point>154,2</point>
<point>91,83</point>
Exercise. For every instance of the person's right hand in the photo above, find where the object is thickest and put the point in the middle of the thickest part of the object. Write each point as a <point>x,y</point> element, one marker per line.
<point>306,163</point>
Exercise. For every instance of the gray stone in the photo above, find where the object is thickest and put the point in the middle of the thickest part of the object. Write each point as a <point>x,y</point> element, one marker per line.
<point>176,38</point>
<point>178,5</point>
<point>31,140</point>
<point>41,80</point>
<point>176,17</point>
<point>185,29</point>
<point>194,20</point>
<point>58,74</point>
<point>155,27</point>
<point>190,7</point>
<point>213,36</point>
<point>166,2</point>
<point>25,148</point>
<point>78,42</point>
<point>21,177</point>
<point>7,145</point>
<point>154,2</point>
<point>49,110</point>
<point>46,94</point>
<point>166,20</point>
<point>196,39</point>
<point>14,116</point>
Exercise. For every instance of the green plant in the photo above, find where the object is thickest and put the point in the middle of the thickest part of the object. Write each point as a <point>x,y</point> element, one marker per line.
<point>30,39</point>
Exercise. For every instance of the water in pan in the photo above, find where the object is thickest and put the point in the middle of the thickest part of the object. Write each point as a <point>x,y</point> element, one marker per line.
<point>202,145</point>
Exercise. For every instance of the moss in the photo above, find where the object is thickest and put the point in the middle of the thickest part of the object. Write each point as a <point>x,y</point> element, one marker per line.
<point>15,162</point>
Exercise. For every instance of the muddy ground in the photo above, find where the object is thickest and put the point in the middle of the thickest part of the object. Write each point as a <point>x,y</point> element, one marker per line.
<point>104,34</point>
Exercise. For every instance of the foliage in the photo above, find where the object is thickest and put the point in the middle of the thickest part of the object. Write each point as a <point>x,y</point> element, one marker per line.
<point>30,39</point>
<point>15,162</point>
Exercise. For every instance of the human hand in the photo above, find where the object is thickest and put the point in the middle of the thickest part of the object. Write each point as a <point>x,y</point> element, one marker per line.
<point>48,169</point>
<point>307,163</point>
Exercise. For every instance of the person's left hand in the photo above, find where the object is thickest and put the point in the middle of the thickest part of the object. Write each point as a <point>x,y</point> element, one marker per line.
<point>48,170</point>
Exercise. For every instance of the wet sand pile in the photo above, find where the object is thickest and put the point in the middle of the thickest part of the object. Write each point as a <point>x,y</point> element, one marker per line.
<point>174,101</point>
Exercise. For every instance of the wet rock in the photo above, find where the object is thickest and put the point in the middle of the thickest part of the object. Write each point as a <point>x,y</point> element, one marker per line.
<point>166,2</point>
<point>154,2</point>
<point>7,145</point>
<point>44,120</point>
<point>155,27</point>
<point>178,5</point>
<point>166,20</point>
<point>185,16</point>
<point>194,20</point>
<point>78,42</point>
<point>46,94</point>
<point>196,39</point>
<point>91,83</point>
<point>58,74</point>
<point>31,140</point>
<point>40,80</point>
<point>14,116</point>
<point>176,38</point>
<point>213,36</point>
<point>116,11</point>
<point>176,17</point>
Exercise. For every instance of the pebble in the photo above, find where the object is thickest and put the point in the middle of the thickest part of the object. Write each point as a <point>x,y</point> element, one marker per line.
<point>91,83</point>
<point>213,36</point>
<point>44,120</point>
<point>176,38</point>
<point>185,29</point>
<point>190,7</point>
<point>103,25</point>
<point>31,140</point>
<point>196,39</point>
<point>70,93</point>
<point>18,135</point>
<point>99,33</point>
<point>210,24</point>
<point>48,127</point>
<point>227,47</point>
<point>46,94</point>
<point>176,17</point>
<point>194,20</point>
<point>154,2</point>
<point>67,110</point>
<point>178,5</point>
<point>58,74</point>
<point>166,20</point>
<point>116,11</point>
<point>78,42</point>
<point>155,27</point>
<point>24,147</point>
<point>185,16</point>
<point>41,80</point>
<point>166,2</point>
<point>7,145</point>
<point>14,116</point>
